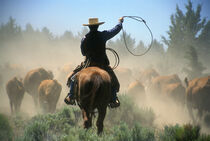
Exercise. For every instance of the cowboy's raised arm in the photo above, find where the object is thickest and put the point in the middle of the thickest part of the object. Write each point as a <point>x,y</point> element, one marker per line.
<point>108,34</point>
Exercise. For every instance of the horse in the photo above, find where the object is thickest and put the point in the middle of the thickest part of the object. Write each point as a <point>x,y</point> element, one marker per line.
<point>93,91</point>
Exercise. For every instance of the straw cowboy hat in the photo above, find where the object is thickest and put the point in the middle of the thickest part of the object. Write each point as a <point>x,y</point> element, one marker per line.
<point>93,21</point>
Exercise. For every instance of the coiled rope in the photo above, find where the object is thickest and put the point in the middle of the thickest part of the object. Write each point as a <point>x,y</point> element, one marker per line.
<point>117,58</point>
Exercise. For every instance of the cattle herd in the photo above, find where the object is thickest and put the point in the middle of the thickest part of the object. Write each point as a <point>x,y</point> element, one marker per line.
<point>40,85</point>
<point>45,91</point>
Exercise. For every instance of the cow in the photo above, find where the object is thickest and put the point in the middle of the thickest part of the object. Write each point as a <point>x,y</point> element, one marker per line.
<point>136,91</point>
<point>15,92</point>
<point>169,86</point>
<point>198,95</point>
<point>33,79</point>
<point>49,93</point>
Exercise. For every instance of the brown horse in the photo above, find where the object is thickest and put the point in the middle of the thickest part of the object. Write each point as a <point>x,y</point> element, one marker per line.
<point>93,92</point>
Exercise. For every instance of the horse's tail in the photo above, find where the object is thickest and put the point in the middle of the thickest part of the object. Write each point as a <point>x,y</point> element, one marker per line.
<point>97,81</point>
<point>94,83</point>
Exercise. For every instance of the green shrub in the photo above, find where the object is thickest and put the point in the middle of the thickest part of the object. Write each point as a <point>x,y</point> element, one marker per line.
<point>135,133</point>
<point>142,134</point>
<point>80,134</point>
<point>127,123</point>
<point>204,138</point>
<point>122,133</point>
<point>51,126</point>
<point>186,132</point>
<point>36,131</point>
<point>64,124</point>
<point>18,124</point>
<point>117,133</point>
<point>129,113</point>
<point>6,132</point>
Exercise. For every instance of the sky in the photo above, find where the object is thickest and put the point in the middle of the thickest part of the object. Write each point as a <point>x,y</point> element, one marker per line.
<point>61,15</point>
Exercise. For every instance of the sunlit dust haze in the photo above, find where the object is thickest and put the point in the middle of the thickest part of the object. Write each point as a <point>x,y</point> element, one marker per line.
<point>47,34</point>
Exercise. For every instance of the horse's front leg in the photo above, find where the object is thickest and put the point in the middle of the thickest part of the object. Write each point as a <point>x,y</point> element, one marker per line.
<point>100,120</point>
<point>87,118</point>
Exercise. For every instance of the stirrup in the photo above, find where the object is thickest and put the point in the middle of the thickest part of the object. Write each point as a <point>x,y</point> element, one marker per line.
<point>114,104</point>
<point>69,101</point>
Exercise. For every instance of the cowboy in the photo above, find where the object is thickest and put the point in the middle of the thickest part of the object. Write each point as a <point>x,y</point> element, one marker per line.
<point>93,47</point>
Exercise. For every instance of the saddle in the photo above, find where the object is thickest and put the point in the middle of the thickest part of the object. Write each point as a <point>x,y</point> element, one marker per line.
<point>88,63</point>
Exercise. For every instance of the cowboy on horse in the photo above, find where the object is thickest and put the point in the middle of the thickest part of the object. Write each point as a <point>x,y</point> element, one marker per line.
<point>93,47</point>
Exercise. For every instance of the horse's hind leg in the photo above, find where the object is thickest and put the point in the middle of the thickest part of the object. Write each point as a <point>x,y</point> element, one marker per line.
<point>87,119</point>
<point>100,120</point>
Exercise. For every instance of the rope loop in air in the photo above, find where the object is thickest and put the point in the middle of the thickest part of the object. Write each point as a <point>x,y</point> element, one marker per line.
<point>139,19</point>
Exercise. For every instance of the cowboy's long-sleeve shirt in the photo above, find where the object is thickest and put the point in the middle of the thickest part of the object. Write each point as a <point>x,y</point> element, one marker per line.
<point>93,45</point>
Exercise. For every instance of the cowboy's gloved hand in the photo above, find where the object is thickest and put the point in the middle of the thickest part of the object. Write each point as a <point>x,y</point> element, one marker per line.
<point>121,19</point>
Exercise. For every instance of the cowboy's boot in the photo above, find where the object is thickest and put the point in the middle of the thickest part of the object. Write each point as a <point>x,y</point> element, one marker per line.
<point>115,101</point>
<point>70,99</point>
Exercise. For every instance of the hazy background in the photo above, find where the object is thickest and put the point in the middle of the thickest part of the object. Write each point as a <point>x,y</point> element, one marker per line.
<point>48,33</point>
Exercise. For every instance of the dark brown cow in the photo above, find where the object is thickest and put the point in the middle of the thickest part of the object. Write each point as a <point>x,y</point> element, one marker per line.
<point>33,79</point>
<point>15,92</point>
<point>49,93</point>
<point>94,92</point>
<point>198,95</point>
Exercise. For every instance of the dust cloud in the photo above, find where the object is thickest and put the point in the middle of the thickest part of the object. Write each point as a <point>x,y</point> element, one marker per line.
<point>17,57</point>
